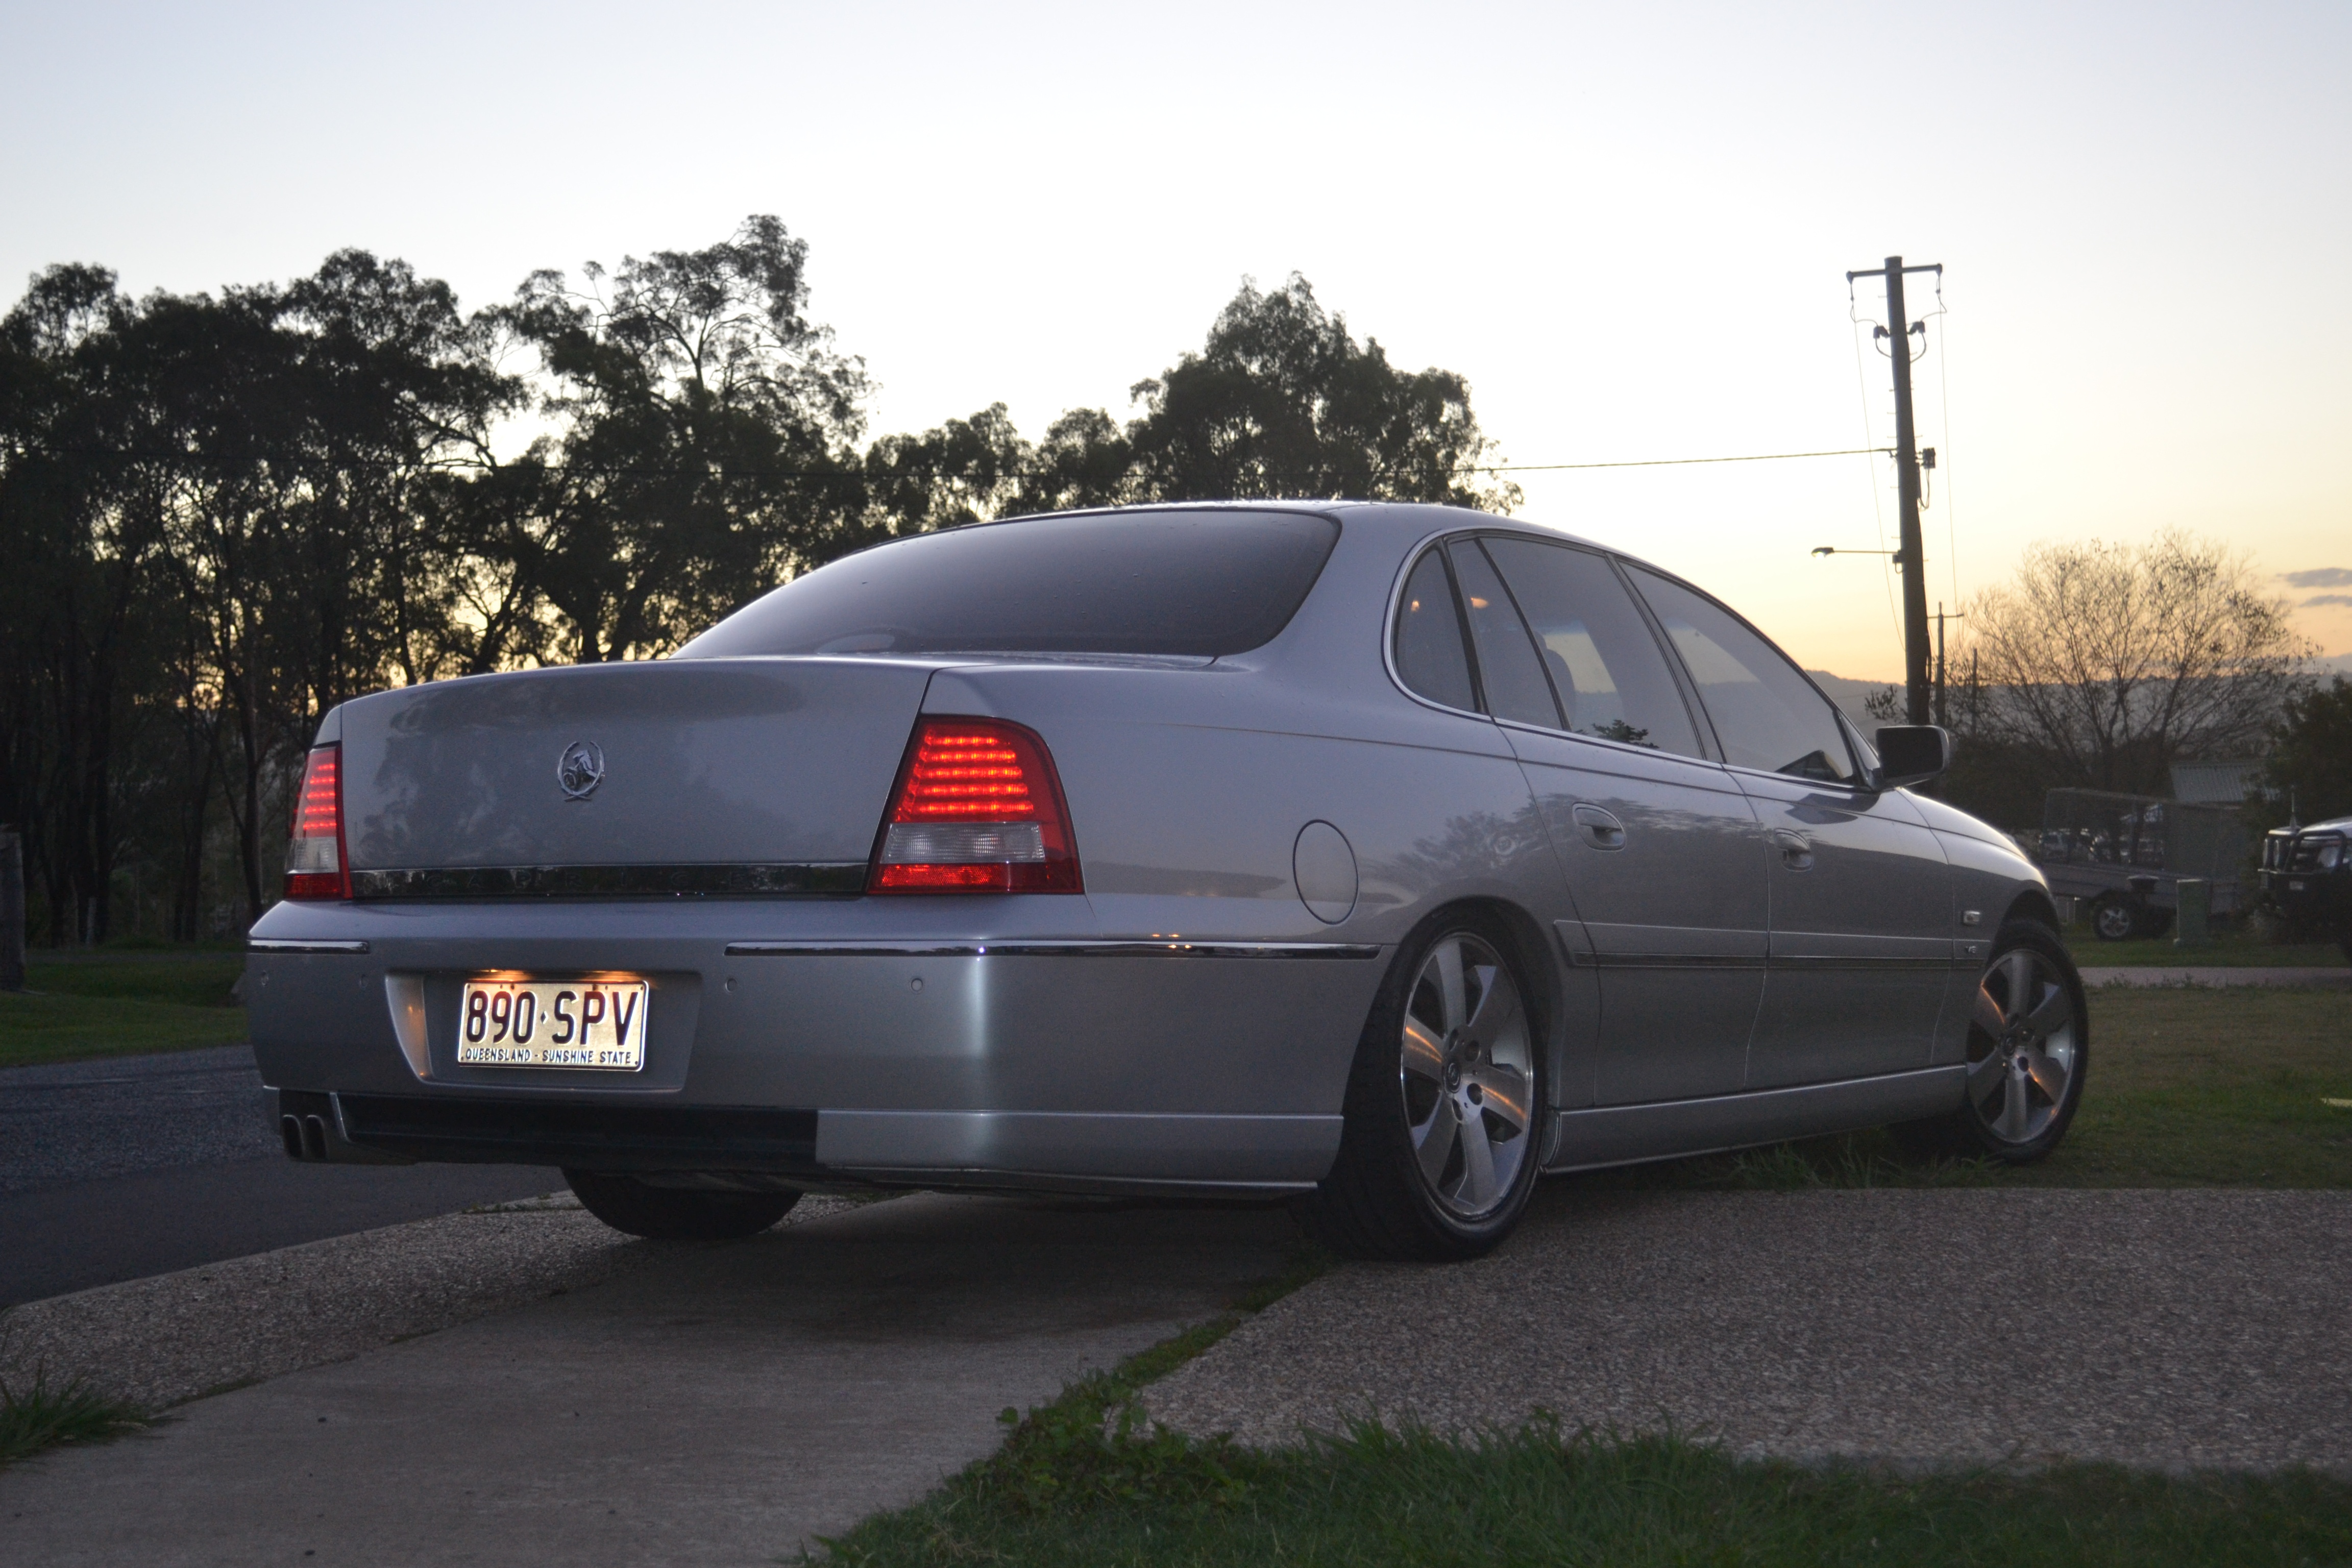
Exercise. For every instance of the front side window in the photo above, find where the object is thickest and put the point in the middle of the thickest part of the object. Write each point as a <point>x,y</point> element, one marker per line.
<point>1611,680</point>
<point>1767,715</point>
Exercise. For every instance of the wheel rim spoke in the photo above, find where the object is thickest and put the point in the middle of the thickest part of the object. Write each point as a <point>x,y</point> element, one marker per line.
<point>1424,1054</point>
<point>2016,1111</point>
<point>1986,1013</point>
<point>1433,1144</point>
<point>2017,969</point>
<point>2048,1073</point>
<point>1498,1009</point>
<point>1503,1092</point>
<point>1478,1185</point>
<point>1448,960</point>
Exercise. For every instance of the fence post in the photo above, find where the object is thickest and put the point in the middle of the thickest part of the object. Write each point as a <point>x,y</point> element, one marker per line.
<point>12,910</point>
<point>2192,920</point>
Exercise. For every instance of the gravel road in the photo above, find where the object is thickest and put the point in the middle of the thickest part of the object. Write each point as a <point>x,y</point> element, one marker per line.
<point>2174,1329</point>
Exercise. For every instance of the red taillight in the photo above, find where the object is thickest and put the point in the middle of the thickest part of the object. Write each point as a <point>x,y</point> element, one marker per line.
<point>978,809</point>
<point>316,865</point>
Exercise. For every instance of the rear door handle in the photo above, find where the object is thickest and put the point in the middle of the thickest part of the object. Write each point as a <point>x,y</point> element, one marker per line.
<point>1601,830</point>
<point>1796,850</point>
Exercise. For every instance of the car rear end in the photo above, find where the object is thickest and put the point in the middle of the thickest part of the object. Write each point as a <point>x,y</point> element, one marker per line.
<point>885,913</point>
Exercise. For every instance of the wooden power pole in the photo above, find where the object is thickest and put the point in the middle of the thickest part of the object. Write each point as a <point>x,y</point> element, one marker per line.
<point>1911,559</point>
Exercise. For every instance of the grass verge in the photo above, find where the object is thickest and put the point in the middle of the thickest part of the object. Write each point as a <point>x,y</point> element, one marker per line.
<point>1085,1481</point>
<point>2189,1087</point>
<point>74,1010</point>
<point>2232,950</point>
<point>42,1417</point>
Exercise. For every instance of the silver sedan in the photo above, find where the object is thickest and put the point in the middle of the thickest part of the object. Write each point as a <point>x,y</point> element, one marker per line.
<point>1380,856</point>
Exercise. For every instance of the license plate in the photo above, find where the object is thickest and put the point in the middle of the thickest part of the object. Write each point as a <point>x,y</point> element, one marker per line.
<point>554,1024</point>
<point>2294,887</point>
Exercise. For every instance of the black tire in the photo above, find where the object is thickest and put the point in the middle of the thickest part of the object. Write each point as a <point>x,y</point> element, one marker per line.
<point>1378,1202</point>
<point>676,1213</point>
<point>1981,1128</point>
<point>2115,918</point>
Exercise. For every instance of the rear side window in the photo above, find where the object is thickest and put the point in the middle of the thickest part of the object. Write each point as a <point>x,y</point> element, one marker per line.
<point>1199,584</point>
<point>1768,716</point>
<point>1429,653</point>
<point>1607,671</point>
<point>1507,666</point>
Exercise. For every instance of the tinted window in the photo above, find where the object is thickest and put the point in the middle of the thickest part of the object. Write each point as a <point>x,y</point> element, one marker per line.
<point>1766,715</point>
<point>1508,672</point>
<point>1197,583</point>
<point>1429,655</point>
<point>1606,668</point>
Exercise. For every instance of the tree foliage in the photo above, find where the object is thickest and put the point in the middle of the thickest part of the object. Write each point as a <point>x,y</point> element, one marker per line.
<point>223,514</point>
<point>2309,772</point>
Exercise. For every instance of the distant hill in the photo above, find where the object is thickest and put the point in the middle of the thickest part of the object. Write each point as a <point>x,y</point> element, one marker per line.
<point>1850,696</point>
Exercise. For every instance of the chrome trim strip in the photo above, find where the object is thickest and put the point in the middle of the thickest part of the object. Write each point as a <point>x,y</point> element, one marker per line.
<point>290,945</point>
<point>1052,949</point>
<point>1808,962</point>
<point>1666,961</point>
<point>802,877</point>
<point>1812,962</point>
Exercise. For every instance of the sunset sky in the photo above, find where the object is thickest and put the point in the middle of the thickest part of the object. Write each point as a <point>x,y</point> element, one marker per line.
<point>1628,227</point>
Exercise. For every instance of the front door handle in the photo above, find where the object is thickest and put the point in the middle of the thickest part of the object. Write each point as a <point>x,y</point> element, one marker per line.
<point>1601,830</point>
<point>1796,850</point>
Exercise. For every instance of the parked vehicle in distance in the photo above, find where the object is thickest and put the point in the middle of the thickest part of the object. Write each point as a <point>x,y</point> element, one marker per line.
<point>2126,855</point>
<point>1379,856</point>
<point>2306,877</point>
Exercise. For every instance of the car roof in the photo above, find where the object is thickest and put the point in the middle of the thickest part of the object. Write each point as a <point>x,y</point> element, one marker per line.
<point>1409,520</point>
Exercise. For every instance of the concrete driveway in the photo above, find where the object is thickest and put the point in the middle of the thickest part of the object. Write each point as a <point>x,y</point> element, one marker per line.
<point>714,1404</point>
<point>2176,1329</point>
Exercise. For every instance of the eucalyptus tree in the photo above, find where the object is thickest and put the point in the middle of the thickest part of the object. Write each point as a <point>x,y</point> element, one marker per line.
<point>703,439</point>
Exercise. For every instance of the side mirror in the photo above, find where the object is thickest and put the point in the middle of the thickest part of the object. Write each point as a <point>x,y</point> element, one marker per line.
<point>1912,753</point>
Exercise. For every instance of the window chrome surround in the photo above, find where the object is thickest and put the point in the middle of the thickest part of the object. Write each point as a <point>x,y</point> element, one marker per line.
<point>293,944</point>
<point>1058,948</point>
<point>800,879</point>
<point>1701,727</point>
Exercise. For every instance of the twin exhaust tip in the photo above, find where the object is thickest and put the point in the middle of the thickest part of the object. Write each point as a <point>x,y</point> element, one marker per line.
<point>305,1136</point>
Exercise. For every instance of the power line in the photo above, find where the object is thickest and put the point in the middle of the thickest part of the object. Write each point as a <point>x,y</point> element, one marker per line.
<point>1666,462</point>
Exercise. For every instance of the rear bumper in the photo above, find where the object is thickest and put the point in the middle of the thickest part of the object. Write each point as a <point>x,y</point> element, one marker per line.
<point>798,1042</point>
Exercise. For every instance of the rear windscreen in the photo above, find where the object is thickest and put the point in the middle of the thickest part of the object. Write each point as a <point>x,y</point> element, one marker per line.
<point>1180,582</point>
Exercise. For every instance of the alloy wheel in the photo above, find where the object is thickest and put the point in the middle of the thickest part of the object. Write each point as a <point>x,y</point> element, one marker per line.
<point>1466,1068</point>
<point>2023,1045</point>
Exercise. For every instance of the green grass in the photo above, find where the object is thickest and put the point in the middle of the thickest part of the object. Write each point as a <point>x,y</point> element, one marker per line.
<point>41,1416</point>
<point>1084,1481</point>
<point>2188,1087</point>
<point>2233,950</point>
<point>90,1007</point>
